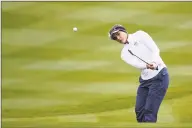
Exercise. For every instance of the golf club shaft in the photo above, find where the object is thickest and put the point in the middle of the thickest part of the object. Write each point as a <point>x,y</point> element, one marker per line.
<point>139,58</point>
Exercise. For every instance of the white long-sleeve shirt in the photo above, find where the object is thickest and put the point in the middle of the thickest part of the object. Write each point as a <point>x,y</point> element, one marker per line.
<point>142,45</point>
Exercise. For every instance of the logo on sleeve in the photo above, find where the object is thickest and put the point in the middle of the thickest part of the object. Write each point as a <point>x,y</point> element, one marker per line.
<point>135,43</point>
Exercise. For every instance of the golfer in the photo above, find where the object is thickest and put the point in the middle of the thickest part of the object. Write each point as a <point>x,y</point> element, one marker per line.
<point>141,52</point>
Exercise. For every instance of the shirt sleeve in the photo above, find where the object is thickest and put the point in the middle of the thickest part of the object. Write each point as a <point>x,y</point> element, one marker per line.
<point>150,44</point>
<point>133,62</point>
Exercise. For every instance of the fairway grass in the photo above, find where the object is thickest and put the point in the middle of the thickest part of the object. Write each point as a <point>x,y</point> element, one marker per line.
<point>53,77</point>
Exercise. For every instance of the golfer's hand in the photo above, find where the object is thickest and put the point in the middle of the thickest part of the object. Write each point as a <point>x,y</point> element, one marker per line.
<point>151,66</point>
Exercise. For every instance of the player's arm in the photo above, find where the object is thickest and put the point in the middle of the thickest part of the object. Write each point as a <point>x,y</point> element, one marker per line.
<point>148,41</point>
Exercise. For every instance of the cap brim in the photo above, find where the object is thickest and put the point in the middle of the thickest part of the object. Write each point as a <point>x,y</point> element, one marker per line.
<point>115,31</point>
<point>112,33</point>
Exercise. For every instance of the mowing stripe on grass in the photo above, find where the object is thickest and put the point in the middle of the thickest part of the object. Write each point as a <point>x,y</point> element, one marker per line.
<point>186,25</point>
<point>8,81</point>
<point>32,103</point>
<point>8,6</point>
<point>67,65</point>
<point>107,88</point>
<point>67,118</point>
<point>141,17</point>
<point>103,14</point>
<point>30,37</point>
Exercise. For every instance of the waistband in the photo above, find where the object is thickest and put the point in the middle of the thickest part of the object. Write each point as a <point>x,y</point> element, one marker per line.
<point>163,71</point>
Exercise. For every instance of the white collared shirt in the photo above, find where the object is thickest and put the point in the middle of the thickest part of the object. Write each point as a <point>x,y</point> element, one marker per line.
<point>142,45</point>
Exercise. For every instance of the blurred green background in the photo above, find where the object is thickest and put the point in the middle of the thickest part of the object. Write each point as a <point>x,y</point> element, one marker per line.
<point>54,77</point>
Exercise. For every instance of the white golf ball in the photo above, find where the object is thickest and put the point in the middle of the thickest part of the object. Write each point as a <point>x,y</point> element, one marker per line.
<point>74,29</point>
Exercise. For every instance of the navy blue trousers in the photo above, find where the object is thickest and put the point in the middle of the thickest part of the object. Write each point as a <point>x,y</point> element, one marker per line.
<point>150,95</point>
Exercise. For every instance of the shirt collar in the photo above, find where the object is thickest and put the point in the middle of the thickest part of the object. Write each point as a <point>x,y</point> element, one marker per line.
<point>130,38</point>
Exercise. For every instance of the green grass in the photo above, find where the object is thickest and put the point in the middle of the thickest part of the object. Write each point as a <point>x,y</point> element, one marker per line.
<point>54,77</point>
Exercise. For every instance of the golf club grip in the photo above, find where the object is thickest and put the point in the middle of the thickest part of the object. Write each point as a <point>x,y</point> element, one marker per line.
<point>130,52</point>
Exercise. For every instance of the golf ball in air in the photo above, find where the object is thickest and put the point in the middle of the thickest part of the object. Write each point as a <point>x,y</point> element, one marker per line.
<point>74,29</point>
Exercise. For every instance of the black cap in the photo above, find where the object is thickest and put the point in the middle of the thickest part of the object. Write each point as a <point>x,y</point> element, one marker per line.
<point>114,29</point>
